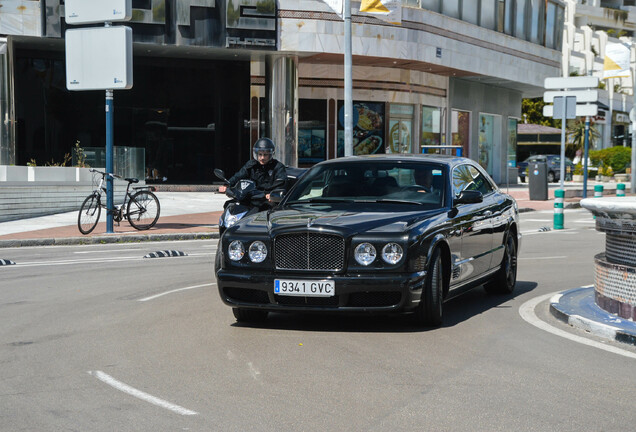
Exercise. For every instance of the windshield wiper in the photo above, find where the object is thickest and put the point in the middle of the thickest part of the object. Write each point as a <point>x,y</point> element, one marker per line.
<point>321,200</point>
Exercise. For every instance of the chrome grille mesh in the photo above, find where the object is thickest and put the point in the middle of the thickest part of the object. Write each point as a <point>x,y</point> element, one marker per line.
<point>621,249</point>
<point>309,251</point>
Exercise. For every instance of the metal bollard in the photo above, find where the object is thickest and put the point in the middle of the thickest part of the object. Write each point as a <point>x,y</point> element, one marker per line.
<point>598,191</point>
<point>559,194</point>
<point>620,190</point>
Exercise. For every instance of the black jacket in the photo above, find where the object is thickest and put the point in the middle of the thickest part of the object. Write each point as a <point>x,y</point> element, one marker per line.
<point>267,177</point>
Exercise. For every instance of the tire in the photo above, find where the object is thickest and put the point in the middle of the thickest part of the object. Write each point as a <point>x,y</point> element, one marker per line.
<point>89,214</point>
<point>505,279</point>
<point>249,315</point>
<point>429,312</point>
<point>522,178</point>
<point>551,177</point>
<point>143,210</point>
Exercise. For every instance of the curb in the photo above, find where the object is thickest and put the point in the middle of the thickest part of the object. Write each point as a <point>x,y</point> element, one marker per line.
<point>577,308</point>
<point>130,238</point>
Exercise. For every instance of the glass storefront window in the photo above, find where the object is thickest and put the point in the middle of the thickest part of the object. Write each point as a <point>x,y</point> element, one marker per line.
<point>368,128</point>
<point>431,131</point>
<point>312,130</point>
<point>512,142</point>
<point>400,129</point>
<point>460,130</point>
<point>486,139</point>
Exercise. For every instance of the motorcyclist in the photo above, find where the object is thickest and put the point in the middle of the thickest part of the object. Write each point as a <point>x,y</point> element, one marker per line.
<point>266,172</point>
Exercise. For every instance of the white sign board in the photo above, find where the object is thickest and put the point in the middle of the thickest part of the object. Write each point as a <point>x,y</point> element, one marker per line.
<point>581,95</point>
<point>581,110</point>
<point>574,82</point>
<point>99,58</point>
<point>97,11</point>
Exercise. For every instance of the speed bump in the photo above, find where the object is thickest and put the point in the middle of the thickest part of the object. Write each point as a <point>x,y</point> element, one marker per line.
<point>165,253</point>
<point>6,262</point>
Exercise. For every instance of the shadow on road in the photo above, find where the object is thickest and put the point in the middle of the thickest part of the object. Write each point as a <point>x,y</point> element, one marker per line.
<point>457,310</point>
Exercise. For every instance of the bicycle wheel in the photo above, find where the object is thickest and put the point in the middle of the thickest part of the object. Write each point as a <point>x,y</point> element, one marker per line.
<point>89,214</point>
<point>143,210</point>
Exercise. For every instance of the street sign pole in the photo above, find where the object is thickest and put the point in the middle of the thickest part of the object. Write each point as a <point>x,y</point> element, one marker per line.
<point>109,161</point>
<point>348,82</point>
<point>585,153</point>
<point>564,109</point>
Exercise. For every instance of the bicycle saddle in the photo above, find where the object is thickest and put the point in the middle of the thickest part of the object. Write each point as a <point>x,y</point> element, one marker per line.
<point>132,180</point>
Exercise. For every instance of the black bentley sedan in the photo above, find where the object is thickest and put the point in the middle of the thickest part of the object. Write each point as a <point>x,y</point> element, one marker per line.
<point>379,233</point>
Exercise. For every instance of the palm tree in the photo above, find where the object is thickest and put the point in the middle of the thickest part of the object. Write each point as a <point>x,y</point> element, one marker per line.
<point>575,132</point>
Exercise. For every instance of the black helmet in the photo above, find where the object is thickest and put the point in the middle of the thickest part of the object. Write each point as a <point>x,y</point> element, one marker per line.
<point>264,144</point>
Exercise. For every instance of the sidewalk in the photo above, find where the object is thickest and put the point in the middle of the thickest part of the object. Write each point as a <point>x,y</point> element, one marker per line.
<point>193,215</point>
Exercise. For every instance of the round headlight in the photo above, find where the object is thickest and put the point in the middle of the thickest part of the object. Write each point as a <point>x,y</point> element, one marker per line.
<point>365,254</point>
<point>258,252</point>
<point>392,253</point>
<point>236,250</point>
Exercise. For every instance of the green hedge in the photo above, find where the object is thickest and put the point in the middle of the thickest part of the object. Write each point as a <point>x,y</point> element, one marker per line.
<point>618,158</point>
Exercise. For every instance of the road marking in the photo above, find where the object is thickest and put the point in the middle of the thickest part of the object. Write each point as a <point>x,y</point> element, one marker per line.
<point>542,258</point>
<point>105,378</point>
<point>174,291</point>
<point>107,250</point>
<point>537,220</point>
<point>526,311</point>
<point>89,261</point>
<point>253,371</point>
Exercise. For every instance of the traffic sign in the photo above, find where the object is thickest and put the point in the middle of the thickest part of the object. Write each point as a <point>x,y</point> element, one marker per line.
<point>581,110</point>
<point>575,82</point>
<point>97,11</point>
<point>581,95</point>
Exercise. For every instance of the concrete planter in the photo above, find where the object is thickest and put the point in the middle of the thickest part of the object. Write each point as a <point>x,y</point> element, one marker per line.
<point>578,178</point>
<point>13,173</point>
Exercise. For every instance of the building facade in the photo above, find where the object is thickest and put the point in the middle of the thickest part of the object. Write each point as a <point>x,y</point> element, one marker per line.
<point>589,26</point>
<point>211,76</point>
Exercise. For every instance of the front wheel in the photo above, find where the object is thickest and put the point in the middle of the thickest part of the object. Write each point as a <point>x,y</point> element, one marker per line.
<point>429,312</point>
<point>505,279</point>
<point>143,210</point>
<point>89,214</point>
<point>551,177</point>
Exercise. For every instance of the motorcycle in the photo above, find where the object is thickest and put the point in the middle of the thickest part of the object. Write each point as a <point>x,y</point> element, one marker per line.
<point>244,198</point>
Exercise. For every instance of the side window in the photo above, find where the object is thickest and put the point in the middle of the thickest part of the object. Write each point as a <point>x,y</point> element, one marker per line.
<point>461,179</point>
<point>480,182</point>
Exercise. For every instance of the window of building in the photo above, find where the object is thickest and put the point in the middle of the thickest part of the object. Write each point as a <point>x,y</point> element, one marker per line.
<point>431,129</point>
<point>486,141</point>
<point>432,5</point>
<point>488,14</point>
<point>368,128</point>
<point>512,142</point>
<point>536,21</point>
<point>550,25</point>
<point>451,8</point>
<point>400,129</point>
<point>460,130</point>
<point>470,12</point>
<point>312,130</point>
<point>520,19</point>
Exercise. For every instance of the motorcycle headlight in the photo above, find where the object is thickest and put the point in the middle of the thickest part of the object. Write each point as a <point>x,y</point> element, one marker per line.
<point>392,253</point>
<point>236,251</point>
<point>365,253</point>
<point>258,252</point>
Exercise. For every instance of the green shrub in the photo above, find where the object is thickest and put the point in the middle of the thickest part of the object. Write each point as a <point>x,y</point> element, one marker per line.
<point>617,158</point>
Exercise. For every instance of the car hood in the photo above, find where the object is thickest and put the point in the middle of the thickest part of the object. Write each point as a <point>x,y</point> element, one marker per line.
<point>344,221</point>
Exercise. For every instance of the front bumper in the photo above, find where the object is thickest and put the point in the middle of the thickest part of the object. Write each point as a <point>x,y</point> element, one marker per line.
<point>354,292</point>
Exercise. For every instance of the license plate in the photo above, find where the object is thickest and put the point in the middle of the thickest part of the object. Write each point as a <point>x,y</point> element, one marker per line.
<point>304,288</point>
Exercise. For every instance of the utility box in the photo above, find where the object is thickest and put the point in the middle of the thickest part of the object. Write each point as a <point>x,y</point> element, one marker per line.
<point>538,181</point>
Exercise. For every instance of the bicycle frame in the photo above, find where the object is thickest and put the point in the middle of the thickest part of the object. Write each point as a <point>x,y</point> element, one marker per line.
<point>117,211</point>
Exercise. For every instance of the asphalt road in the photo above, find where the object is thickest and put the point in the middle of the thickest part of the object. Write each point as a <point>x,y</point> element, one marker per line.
<point>99,338</point>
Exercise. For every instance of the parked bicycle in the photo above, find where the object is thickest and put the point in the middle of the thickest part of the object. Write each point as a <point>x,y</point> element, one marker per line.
<point>141,206</point>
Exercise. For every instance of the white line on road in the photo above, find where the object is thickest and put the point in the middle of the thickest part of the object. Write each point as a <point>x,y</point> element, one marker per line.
<point>106,250</point>
<point>174,291</point>
<point>537,220</point>
<point>542,258</point>
<point>526,311</point>
<point>139,394</point>
<point>93,260</point>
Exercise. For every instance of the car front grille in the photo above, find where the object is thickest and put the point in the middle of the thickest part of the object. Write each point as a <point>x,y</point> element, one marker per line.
<point>309,251</point>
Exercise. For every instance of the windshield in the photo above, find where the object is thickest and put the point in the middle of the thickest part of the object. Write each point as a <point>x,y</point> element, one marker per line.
<point>393,182</point>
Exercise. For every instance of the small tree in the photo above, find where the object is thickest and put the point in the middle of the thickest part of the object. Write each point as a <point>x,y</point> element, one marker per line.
<point>575,132</point>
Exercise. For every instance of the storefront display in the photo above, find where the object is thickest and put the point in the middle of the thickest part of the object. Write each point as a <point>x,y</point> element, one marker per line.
<point>400,129</point>
<point>368,128</point>
<point>460,130</point>
<point>486,136</point>
<point>431,130</point>
<point>512,142</point>
<point>312,126</point>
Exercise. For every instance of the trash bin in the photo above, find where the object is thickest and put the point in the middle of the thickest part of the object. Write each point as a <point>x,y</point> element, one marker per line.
<point>538,181</point>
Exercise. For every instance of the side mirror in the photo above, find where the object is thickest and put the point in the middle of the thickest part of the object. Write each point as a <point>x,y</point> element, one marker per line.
<point>277,195</point>
<point>220,174</point>
<point>468,197</point>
